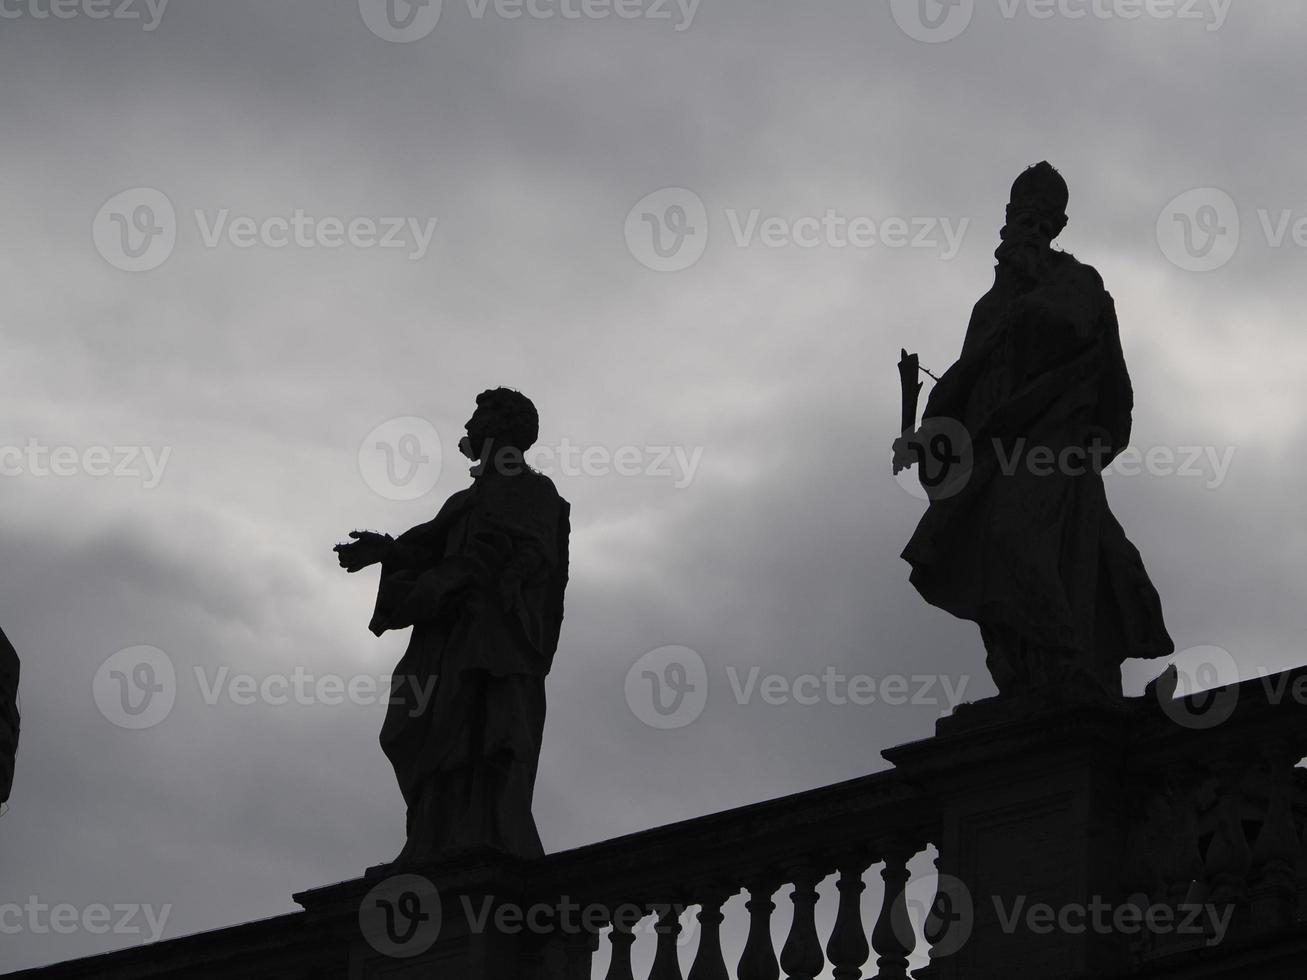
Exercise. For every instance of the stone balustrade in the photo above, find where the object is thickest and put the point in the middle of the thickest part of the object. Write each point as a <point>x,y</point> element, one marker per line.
<point>1158,805</point>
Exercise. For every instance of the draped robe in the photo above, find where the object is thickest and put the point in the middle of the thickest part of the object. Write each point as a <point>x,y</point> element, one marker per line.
<point>482,586</point>
<point>1036,558</point>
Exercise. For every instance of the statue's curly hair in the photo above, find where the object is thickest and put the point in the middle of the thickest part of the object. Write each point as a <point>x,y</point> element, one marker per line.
<point>511,418</point>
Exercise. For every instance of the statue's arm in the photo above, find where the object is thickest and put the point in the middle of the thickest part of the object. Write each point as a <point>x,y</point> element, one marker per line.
<point>1116,395</point>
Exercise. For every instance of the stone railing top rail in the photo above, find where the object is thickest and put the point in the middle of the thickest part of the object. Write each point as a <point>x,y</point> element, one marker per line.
<point>1265,712</point>
<point>866,818</point>
<point>762,843</point>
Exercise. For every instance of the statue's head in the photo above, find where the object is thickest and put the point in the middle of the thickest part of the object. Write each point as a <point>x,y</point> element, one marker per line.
<point>1036,214</point>
<point>503,427</point>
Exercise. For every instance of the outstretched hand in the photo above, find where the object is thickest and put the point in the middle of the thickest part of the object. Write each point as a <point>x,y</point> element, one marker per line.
<point>367,548</point>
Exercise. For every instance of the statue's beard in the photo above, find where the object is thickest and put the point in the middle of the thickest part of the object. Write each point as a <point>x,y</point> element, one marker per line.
<point>472,451</point>
<point>1023,253</point>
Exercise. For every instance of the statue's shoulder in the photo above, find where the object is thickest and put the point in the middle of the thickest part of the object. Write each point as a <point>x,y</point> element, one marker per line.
<point>536,485</point>
<point>1081,274</point>
<point>528,492</point>
<point>526,505</point>
<point>541,483</point>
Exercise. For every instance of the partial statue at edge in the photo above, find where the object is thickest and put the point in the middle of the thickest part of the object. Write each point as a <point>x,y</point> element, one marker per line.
<point>482,586</point>
<point>1018,536</point>
<point>9,719</point>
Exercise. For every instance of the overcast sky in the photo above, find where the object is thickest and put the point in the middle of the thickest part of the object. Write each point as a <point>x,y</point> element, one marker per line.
<point>196,371</point>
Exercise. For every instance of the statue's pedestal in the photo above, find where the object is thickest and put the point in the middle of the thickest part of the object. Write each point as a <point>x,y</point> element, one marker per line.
<point>463,918</point>
<point>1033,807</point>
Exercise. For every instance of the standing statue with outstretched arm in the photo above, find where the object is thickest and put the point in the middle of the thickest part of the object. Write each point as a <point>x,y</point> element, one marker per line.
<point>482,587</point>
<point>1018,537</point>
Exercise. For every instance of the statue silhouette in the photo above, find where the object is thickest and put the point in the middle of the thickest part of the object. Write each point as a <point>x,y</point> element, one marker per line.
<point>482,586</point>
<point>8,715</point>
<point>1023,542</point>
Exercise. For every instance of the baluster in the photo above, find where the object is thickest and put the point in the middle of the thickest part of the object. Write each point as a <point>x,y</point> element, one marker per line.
<point>619,966</point>
<point>758,961</point>
<point>666,965</point>
<point>893,937</point>
<point>801,957</point>
<point>708,962</point>
<point>949,919</point>
<point>848,949</point>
